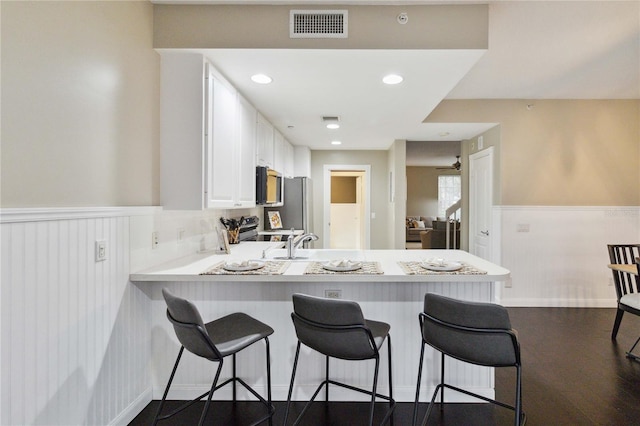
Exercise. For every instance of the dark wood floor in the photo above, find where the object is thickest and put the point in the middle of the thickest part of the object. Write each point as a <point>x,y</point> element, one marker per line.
<point>573,374</point>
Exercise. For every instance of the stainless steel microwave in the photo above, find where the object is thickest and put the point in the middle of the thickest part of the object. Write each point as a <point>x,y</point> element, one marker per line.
<point>268,186</point>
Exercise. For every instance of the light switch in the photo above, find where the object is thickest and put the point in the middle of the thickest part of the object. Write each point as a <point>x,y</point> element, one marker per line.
<point>101,250</point>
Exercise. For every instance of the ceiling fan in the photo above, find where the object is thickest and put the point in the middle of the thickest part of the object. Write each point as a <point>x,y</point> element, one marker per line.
<point>454,166</point>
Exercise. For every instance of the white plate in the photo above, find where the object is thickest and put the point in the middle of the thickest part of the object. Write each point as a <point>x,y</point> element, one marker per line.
<point>243,267</point>
<point>348,267</point>
<point>444,266</point>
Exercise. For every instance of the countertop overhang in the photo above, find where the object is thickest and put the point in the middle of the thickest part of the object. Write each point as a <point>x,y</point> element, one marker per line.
<point>189,268</point>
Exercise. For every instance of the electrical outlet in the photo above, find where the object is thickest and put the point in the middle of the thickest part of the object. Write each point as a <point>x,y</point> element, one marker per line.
<point>154,240</point>
<point>333,294</point>
<point>101,250</point>
<point>610,281</point>
<point>522,227</point>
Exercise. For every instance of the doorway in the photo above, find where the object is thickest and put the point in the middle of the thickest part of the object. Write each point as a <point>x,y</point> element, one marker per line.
<point>347,206</point>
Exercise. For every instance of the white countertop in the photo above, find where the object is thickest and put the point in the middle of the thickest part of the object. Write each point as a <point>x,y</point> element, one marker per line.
<point>189,268</point>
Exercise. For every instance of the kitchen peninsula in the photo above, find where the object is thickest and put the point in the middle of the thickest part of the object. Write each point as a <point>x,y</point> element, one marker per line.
<point>392,293</point>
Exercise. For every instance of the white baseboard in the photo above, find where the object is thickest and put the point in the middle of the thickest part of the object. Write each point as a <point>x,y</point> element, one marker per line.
<point>130,413</point>
<point>560,303</point>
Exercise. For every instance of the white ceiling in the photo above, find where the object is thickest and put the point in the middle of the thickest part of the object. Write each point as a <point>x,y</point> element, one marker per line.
<point>537,50</point>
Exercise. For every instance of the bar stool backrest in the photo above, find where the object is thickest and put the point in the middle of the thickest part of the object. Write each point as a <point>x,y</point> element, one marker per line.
<point>479,333</point>
<point>332,327</point>
<point>189,327</point>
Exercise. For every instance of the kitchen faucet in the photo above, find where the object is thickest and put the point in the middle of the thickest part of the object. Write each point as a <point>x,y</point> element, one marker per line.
<point>293,243</point>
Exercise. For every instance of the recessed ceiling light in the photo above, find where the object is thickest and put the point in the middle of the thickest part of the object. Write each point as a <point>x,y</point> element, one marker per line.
<point>392,79</point>
<point>333,126</point>
<point>443,134</point>
<point>336,143</point>
<point>261,79</point>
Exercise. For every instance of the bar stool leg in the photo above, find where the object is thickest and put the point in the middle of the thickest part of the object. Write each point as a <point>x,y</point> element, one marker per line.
<point>266,340</point>
<point>213,388</point>
<point>293,376</point>
<point>373,393</point>
<point>166,390</point>
<point>326,369</point>
<point>415,405</point>
<point>233,384</point>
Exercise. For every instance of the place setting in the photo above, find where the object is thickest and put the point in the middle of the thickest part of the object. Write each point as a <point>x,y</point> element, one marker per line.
<point>436,266</point>
<point>248,267</point>
<point>343,266</point>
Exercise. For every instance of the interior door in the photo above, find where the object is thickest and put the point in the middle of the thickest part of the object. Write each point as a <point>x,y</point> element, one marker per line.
<point>347,228</point>
<point>480,203</point>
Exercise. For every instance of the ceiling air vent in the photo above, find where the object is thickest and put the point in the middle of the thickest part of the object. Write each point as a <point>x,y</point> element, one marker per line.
<point>318,23</point>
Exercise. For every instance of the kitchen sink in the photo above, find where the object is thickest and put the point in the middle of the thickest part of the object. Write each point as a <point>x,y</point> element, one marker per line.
<point>310,255</point>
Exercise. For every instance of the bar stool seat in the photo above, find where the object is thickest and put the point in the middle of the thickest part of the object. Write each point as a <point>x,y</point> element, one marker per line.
<point>214,341</point>
<point>337,329</point>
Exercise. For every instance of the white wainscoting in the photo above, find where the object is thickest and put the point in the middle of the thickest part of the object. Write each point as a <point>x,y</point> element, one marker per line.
<point>562,259</point>
<point>75,341</point>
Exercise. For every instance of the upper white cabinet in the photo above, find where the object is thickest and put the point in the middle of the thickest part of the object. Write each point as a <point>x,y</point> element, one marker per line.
<point>278,151</point>
<point>246,187</point>
<point>288,160</point>
<point>265,142</point>
<point>221,141</point>
<point>282,155</point>
<point>207,137</point>
<point>182,131</point>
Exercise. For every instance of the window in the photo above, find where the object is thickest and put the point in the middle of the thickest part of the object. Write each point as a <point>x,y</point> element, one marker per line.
<point>449,191</point>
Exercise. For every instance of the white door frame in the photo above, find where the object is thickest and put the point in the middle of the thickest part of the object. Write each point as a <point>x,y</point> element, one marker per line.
<point>473,213</point>
<point>326,203</point>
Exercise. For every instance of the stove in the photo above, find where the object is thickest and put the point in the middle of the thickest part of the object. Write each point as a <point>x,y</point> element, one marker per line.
<point>249,228</point>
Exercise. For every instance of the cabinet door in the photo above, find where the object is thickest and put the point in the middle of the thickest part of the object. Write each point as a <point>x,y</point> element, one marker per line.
<point>288,160</point>
<point>265,142</point>
<point>278,151</point>
<point>246,179</point>
<point>221,143</point>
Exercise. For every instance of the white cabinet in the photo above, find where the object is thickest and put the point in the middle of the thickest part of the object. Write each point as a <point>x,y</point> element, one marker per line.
<point>288,160</point>
<point>182,130</point>
<point>278,152</point>
<point>221,142</point>
<point>246,184</point>
<point>207,137</point>
<point>231,141</point>
<point>265,142</point>
<point>282,155</point>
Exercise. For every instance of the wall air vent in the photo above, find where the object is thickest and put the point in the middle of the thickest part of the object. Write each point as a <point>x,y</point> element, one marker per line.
<point>318,23</point>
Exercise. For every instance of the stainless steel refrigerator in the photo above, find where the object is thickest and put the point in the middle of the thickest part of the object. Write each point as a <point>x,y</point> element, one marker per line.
<point>297,210</point>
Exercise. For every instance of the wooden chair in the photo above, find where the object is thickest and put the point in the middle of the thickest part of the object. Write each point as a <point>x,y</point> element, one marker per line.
<point>627,285</point>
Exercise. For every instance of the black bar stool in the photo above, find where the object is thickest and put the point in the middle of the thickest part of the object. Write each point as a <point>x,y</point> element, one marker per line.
<point>337,328</point>
<point>214,341</point>
<point>477,333</point>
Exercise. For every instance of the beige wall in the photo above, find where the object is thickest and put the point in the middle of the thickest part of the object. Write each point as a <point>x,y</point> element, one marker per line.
<point>80,104</point>
<point>379,193</point>
<point>560,152</point>
<point>370,27</point>
<point>343,189</point>
<point>422,190</point>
